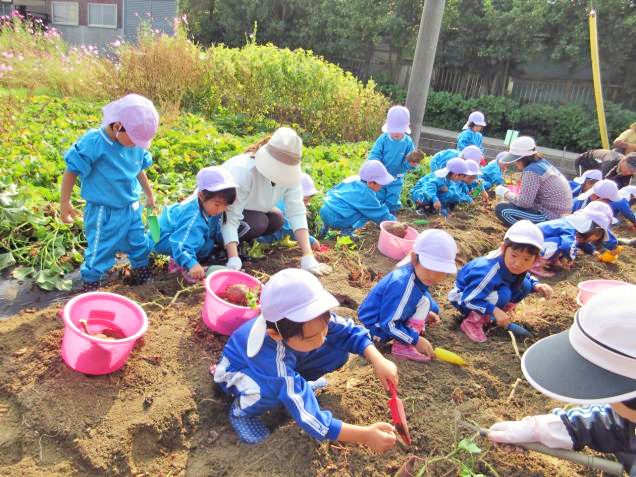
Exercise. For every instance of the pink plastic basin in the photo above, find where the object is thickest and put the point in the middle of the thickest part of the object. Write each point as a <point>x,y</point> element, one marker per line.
<point>514,188</point>
<point>589,288</point>
<point>395,247</point>
<point>218,314</point>
<point>88,354</point>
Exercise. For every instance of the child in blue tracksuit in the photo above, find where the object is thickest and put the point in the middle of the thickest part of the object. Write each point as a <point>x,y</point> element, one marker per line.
<point>492,173</point>
<point>191,229</point>
<point>353,202</point>
<point>585,182</point>
<point>606,191</point>
<point>441,158</point>
<point>441,190</point>
<point>391,149</point>
<point>110,162</point>
<point>309,190</point>
<point>399,306</point>
<point>562,237</point>
<point>487,288</point>
<point>280,358</point>
<point>471,133</point>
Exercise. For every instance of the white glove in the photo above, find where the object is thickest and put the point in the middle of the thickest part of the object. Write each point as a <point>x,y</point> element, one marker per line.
<point>500,191</point>
<point>234,263</point>
<point>309,263</point>
<point>512,432</point>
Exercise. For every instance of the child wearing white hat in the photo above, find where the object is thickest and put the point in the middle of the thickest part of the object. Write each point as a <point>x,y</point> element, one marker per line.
<point>309,190</point>
<point>353,202</point>
<point>562,237</point>
<point>399,305</point>
<point>593,364</point>
<point>110,162</point>
<point>280,358</point>
<point>392,149</point>
<point>471,132</point>
<point>492,173</point>
<point>607,191</point>
<point>192,228</point>
<point>585,181</point>
<point>488,288</point>
<point>440,191</point>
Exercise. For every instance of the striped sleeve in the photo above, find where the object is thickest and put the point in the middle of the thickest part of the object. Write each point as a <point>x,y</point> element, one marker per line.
<point>396,308</point>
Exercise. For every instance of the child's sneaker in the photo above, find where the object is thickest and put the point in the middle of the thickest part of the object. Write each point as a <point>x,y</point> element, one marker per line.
<point>250,429</point>
<point>404,351</point>
<point>318,384</point>
<point>473,327</point>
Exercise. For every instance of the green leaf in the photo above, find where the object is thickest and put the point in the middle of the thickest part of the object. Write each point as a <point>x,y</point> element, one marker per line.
<point>469,446</point>
<point>64,285</point>
<point>22,273</point>
<point>6,260</point>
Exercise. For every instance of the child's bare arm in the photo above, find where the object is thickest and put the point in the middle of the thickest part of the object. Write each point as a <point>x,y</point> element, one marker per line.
<point>147,188</point>
<point>67,212</point>
<point>378,437</point>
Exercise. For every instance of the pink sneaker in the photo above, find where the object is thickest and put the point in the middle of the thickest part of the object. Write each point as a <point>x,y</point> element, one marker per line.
<point>404,351</point>
<point>473,327</point>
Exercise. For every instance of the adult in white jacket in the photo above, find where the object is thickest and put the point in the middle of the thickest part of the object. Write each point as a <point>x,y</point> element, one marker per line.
<point>264,176</point>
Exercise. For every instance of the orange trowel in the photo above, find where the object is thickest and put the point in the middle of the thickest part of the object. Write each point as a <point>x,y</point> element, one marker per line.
<point>398,415</point>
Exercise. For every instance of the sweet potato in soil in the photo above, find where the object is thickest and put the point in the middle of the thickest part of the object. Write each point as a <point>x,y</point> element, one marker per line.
<point>162,417</point>
<point>237,294</point>
<point>398,229</point>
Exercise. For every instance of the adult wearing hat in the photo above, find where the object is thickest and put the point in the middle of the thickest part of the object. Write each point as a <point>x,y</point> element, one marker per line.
<point>592,363</point>
<point>544,194</point>
<point>264,176</point>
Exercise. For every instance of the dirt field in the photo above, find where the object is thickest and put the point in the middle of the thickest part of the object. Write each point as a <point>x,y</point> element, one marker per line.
<point>159,416</point>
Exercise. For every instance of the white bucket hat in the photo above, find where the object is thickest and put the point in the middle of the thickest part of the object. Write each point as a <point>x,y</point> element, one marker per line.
<point>308,186</point>
<point>279,159</point>
<point>436,250</point>
<point>594,362</point>
<point>526,232</point>
<point>589,175</point>
<point>375,171</point>
<point>605,189</point>
<point>523,146</point>
<point>294,294</point>
<point>596,212</point>
<point>456,165</point>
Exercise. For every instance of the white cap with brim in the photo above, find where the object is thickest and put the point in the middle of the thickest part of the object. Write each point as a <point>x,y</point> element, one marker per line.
<point>472,168</point>
<point>294,294</point>
<point>215,178</point>
<point>374,171</point>
<point>595,212</point>
<point>595,361</point>
<point>525,232</point>
<point>605,189</point>
<point>279,159</point>
<point>589,175</point>
<point>308,186</point>
<point>627,192</point>
<point>436,250</point>
<point>583,224</point>
<point>137,115</point>
<point>523,146</point>
<point>456,165</point>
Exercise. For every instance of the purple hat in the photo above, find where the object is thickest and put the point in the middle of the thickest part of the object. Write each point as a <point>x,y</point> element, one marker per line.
<point>436,250</point>
<point>308,186</point>
<point>593,362</point>
<point>456,166</point>
<point>472,168</point>
<point>589,175</point>
<point>398,120</point>
<point>525,232</point>
<point>294,294</point>
<point>605,189</point>
<point>137,115</point>
<point>477,117</point>
<point>215,178</point>
<point>595,212</point>
<point>472,153</point>
<point>374,171</point>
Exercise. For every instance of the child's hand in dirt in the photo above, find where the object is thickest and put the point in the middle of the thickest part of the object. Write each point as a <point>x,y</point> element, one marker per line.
<point>424,347</point>
<point>315,246</point>
<point>484,196</point>
<point>67,212</point>
<point>432,318</point>
<point>501,317</point>
<point>543,289</point>
<point>197,272</point>
<point>386,371</point>
<point>437,205</point>
<point>379,437</point>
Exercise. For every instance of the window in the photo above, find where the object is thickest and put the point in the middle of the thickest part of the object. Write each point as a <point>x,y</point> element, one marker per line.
<point>102,15</point>
<point>5,9</point>
<point>65,13</point>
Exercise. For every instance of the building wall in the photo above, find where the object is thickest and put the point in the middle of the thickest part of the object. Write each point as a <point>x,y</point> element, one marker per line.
<point>160,14</point>
<point>85,35</point>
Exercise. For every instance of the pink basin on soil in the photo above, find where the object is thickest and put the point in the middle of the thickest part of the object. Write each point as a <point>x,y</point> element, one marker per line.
<point>589,288</point>
<point>395,247</point>
<point>220,315</point>
<point>102,311</point>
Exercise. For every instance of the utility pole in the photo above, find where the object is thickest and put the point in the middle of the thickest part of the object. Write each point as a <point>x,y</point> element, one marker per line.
<point>422,68</point>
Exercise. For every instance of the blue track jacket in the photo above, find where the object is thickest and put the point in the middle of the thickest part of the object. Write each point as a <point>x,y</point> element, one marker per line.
<point>431,188</point>
<point>392,302</point>
<point>439,160</point>
<point>393,153</point>
<point>469,137</point>
<point>491,175</point>
<point>561,233</point>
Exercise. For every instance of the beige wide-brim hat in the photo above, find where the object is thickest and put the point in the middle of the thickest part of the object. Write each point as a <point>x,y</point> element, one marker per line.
<point>279,159</point>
